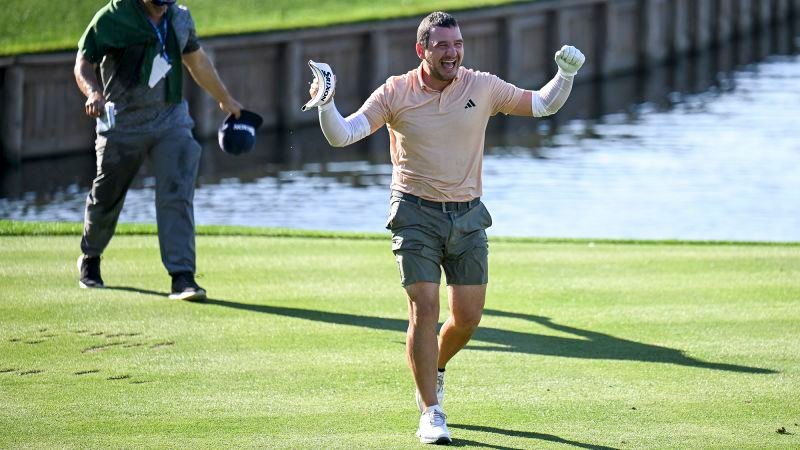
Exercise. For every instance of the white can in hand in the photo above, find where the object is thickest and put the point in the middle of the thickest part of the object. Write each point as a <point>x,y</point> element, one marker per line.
<point>108,119</point>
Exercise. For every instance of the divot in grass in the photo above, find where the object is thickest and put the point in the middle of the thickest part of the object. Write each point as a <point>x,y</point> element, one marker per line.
<point>118,377</point>
<point>133,345</point>
<point>100,348</point>
<point>161,344</point>
<point>115,335</point>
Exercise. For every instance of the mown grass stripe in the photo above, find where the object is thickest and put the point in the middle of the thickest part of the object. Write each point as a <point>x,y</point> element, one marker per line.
<point>30,26</point>
<point>301,345</point>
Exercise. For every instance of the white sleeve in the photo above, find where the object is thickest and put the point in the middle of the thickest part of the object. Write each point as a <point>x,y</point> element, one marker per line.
<point>340,131</point>
<point>549,99</point>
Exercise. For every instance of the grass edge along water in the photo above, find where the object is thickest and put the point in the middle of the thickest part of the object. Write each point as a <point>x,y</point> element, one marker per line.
<point>30,228</point>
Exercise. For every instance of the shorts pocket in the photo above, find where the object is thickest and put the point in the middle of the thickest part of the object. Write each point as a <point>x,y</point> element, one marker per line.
<point>486,218</point>
<point>404,243</point>
<point>393,207</point>
<point>402,214</point>
<point>476,219</point>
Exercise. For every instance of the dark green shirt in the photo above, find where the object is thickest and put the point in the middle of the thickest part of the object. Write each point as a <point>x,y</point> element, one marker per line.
<point>140,108</point>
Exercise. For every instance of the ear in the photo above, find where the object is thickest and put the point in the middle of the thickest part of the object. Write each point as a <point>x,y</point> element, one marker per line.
<point>420,51</point>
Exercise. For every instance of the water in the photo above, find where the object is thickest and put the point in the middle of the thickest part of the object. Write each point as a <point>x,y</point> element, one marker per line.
<point>703,150</point>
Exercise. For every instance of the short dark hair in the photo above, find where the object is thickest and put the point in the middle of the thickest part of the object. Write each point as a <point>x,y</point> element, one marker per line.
<point>434,19</point>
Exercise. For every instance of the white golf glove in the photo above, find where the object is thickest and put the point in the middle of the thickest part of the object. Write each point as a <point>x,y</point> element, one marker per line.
<point>569,60</point>
<point>325,84</point>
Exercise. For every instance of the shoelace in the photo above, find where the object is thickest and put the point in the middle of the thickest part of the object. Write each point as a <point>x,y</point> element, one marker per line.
<point>437,417</point>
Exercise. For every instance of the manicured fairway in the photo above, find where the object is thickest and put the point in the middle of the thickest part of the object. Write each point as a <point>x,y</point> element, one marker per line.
<point>42,25</point>
<point>583,345</point>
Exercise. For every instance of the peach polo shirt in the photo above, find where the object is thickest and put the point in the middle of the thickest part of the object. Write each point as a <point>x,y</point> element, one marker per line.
<point>437,137</point>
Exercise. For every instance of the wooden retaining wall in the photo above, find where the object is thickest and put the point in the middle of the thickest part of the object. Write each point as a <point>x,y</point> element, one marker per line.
<point>42,113</point>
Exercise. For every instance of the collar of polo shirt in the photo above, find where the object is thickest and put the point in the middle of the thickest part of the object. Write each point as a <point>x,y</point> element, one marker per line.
<point>428,88</point>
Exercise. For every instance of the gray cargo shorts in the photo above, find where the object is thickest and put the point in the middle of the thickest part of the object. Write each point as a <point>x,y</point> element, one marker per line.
<point>428,236</point>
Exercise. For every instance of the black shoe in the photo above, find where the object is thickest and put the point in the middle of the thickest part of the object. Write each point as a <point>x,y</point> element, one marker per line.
<point>89,266</point>
<point>184,288</point>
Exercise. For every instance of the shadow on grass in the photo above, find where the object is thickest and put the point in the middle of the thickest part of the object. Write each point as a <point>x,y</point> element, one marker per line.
<point>587,345</point>
<point>522,434</point>
<point>475,444</point>
<point>593,345</point>
<point>137,290</point>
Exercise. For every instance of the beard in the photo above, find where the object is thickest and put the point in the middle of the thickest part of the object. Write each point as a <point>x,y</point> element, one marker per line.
<point>439,72</point>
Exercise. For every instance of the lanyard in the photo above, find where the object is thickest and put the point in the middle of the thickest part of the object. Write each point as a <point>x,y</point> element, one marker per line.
<point>162,38</point>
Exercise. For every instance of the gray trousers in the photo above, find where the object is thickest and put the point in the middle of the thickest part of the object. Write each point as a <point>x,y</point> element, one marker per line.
<point>175,157</point>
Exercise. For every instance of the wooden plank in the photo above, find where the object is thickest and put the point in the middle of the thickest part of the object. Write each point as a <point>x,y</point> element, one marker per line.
<point>530,42</point>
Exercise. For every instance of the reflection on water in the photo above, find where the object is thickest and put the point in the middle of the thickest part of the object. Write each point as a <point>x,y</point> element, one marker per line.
<point>703,149</point>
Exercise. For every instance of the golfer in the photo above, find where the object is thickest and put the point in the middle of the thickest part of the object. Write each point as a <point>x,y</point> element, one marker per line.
<point>436,116</point>
<point>139,47</point>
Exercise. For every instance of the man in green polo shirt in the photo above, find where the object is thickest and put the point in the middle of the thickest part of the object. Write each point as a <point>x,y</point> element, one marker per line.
<point>139,47</point>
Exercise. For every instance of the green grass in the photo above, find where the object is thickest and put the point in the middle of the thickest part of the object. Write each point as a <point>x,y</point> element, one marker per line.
<point>46,25</point>
<point>583,345</point>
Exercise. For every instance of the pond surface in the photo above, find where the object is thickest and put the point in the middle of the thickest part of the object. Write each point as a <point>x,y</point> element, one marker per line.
<point>707,148</point>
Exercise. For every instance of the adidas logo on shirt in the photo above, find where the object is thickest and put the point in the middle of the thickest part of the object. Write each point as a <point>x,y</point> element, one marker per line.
<point>470,104</point>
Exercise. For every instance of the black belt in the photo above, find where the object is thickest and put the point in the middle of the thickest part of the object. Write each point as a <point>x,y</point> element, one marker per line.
<point>442,206</point>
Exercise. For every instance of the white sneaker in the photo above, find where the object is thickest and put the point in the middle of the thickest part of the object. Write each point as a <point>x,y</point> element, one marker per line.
<point>433,427</point>
<point>439,392</point>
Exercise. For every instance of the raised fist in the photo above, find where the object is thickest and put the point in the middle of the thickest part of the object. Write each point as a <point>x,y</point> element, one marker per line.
<point>569,60</point>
